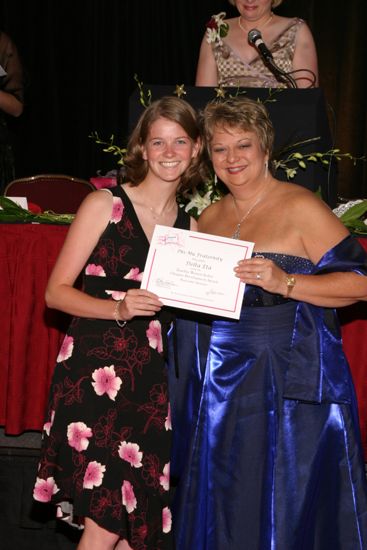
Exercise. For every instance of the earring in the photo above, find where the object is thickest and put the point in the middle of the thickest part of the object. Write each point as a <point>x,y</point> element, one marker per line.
<point>266,168</point>
<point>215,179</point>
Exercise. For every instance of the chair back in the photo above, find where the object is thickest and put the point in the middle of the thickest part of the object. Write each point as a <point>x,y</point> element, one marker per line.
<point>59,193</point>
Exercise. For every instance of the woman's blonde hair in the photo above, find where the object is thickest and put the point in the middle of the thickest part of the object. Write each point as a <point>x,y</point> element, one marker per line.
<point>238,112</point>
<point>274,3</point>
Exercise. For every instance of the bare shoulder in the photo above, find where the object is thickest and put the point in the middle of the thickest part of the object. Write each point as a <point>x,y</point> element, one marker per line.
<point>317,224</point>
<point>99,199</point>
<point>209,215</point>
<point>301,202</point>
<point>95,209</point>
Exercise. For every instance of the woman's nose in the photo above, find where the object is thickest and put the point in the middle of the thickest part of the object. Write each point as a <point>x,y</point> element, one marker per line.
<point>170,149</point>
<point>231,155</point>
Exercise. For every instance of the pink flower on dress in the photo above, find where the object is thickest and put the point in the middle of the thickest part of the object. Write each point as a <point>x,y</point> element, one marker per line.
<point>168,423</point>
<point>116,294</point>
<point>48,425</point>
<point>96,270</point>
<point>44,489</point>
<point>164,479</point>
<point>78,434</point>
<point>66,349</point>
<point>106,381</point>
<point>154,335</point>
<point>131,453</point>
<point>134,274</point>
<point>166,520</point>
<point>128,496</point>
<point>93,475</point>
<point>117,210</point>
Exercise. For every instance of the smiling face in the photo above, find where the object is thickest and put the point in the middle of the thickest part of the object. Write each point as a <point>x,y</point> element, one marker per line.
<point>254,10</point>
<point>237,156</point>
<point>168,150</point>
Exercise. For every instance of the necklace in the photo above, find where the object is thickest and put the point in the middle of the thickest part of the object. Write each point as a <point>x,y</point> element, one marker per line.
<point>258,28</point>
<point>157,215</point>
<point>237,231</point>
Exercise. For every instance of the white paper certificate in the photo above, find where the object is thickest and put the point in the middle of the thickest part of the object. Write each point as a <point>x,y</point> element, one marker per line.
<point>194,271</point>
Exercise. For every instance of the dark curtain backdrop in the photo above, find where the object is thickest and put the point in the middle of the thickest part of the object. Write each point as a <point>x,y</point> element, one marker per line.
<point>80,58</point>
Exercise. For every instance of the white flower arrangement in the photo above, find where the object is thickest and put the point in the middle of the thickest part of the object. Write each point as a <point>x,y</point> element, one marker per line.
<point>217,28</point>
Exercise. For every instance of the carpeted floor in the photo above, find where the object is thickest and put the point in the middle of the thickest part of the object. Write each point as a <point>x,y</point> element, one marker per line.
<point>25,524</point>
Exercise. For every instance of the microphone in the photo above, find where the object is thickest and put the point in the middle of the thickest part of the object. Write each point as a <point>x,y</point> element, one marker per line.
<point>255,38</point>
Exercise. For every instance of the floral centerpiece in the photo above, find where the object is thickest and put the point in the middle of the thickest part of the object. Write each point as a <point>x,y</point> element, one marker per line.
<point>11,212</point>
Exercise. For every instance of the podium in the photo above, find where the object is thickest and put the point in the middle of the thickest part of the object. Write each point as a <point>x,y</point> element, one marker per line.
<point>297,115</point>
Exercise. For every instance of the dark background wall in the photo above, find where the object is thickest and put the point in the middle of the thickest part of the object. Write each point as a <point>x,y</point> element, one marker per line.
<point>80,58</point>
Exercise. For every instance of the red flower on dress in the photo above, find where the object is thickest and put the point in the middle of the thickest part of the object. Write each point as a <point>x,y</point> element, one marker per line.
<point>78,434</point>
<point>128,496</point>
<point>95,270</point>
<point>154,335</point>
<point>131,453</point>
<point>106,381</point>
<point>93,476</point>
<point>151,470</point>
<point>168,422</point>
<point>158,395</point>
<point>134,274</point>
<point>164,479</point>
<point>117,210</point>
<point>66,349</point>
<point>48,425</point>
<point>166,520</point>
<point>101,501</point>
<point>44,489</point>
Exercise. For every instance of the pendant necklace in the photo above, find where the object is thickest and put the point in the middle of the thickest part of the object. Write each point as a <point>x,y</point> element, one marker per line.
<point>156,215</point>
<point>237,231</point>
<point>258,28</point>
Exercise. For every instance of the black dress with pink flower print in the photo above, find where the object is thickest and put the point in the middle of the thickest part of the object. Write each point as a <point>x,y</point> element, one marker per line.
<point>107,435</point>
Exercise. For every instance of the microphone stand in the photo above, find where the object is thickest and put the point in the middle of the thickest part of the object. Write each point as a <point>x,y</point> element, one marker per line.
<point>280,74</point>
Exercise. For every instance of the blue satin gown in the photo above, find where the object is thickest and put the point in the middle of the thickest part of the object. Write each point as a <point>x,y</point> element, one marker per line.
<point>267,447</point>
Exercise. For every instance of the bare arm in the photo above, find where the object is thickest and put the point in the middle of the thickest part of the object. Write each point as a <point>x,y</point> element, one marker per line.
<point>206,73</point>
<point>319,230</point>
<point>91,220</point>
<point>11,93</point>
<point>10,104</point>
<point>305,57</point>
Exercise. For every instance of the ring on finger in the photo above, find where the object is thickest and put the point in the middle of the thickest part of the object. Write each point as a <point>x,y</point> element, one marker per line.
<point>258,276</point>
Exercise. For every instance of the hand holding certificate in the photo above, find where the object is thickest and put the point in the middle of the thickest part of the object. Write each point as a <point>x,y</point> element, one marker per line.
<point>194,271</point>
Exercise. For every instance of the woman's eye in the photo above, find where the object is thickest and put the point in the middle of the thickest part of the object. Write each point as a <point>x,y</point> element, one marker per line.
<point>244,145</point>
<point>218,150</point>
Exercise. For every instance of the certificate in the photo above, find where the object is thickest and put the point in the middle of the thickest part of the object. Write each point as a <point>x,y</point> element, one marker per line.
<point>192,270</point>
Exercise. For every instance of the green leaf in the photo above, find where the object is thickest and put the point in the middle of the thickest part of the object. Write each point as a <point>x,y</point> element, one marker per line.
<point>354,212</point>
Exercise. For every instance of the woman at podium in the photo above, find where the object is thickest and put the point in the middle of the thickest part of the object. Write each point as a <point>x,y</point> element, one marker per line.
<point>281,53</point>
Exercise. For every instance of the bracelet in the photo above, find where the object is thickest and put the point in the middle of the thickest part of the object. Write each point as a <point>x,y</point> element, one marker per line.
<point>116,312</point>
<point>290,281</point>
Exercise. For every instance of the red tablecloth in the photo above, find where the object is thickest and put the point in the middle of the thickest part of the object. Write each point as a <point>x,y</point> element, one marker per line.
<point>354,332</point>
<point>31,333</point>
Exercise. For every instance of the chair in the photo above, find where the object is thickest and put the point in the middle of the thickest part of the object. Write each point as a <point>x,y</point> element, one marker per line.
<point>57,192</point>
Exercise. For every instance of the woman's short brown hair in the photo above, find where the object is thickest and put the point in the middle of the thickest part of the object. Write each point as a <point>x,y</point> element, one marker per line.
<point>174,109</point>
<point>239,112</point>
<point>274,3</point>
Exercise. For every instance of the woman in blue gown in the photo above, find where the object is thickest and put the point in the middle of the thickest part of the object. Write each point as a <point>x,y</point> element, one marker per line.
<point>267,445</point>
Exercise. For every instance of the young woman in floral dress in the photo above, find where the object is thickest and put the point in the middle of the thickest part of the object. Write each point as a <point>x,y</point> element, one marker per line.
<point>106,449</point>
